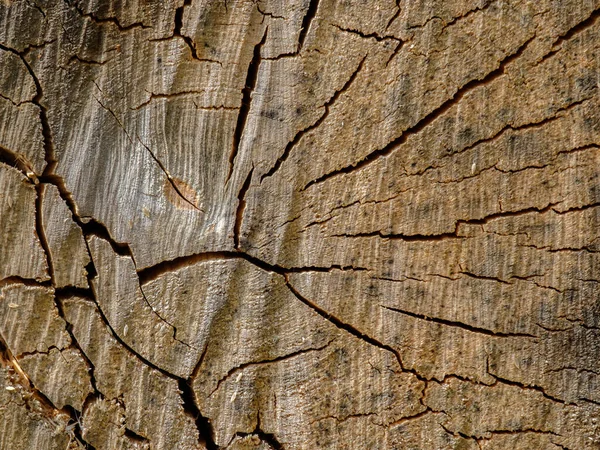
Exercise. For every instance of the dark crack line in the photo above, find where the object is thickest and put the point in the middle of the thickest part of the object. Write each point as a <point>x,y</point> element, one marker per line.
<point>40,232</point>
<point>455,433</point>
<point>427,120</point>
<point>162,319</point>
<point>247,94</point>
<point>40,352</point>
<point>453,323</point>
<point>188,397</point>
<point>148,274</point>
<point>307,20</point>
<point>239,215</point>
<point>394,53</point>
<point>511,432</point>
<point>182,94</point>
<point>395,16</point>
<point>277,359</point>
<point>34,4</point>
<point>348,327</point>
<point>454,234</point>
<point>190,406</point>
<point>16,279</point>
<point>17,104</point>
<point>402,237</point>
<point>419,415</point>
<point>376,36</point>
<point>136,437</point>
<point>319,121</point>
<point>269,438</point>
<point>69,327</point>
<point>48,408</point>
<point>570,33</point>
<point>268,14</point>
<point>65,292</point>
<point>485,5</point>
<point>179,25</point>
<point>169,177</point>
<point>576,369</point>
<point>530,387</point>
<point>89,62</point>
<point>540,124</point>
<point>187,39</point>
<point>101,20</point>
<point>577,208</point>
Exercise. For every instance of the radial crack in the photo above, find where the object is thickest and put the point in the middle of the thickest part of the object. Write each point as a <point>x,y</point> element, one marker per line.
<point>148,274</point>
<point>277,359</point>
<point>311,12</point>
<point>100,20</point>
<point>376,36</point>
<point>170,178</point>
<point>341,324</point>
<point>319,121</point>
<point>239,216</point>
<point>247,91</point>
<point>453,323</point>
<point>581,26</point>
<point>425,121</point>
<point>455,233</point>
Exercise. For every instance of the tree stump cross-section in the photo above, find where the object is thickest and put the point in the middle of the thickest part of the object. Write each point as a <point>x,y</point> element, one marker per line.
<point>300,224</point>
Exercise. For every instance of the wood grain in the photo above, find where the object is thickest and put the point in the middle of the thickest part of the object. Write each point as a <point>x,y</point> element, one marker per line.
<point>299,224</point>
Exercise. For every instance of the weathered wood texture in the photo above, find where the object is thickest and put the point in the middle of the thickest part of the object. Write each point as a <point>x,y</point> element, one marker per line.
<point>300,224</point>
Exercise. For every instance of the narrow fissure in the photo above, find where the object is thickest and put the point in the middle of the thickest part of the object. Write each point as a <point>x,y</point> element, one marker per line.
<point>49,410</point>
<point>19,162</point>
<point>40,232</point>
<point>187,39</point>
<point>153,272</point>
<point>427,120</point>
<point>132,435</point>
<point>162,319</point>
<point>453,323</point>
<point>395,16</point>
<point>169,177</point>
<point>69,327</point>
<point>311,12</point>
<point>239,216</point>
<point>319,121</point>
<point>187,395</point>
<point>203,424</point>
<point>342,325</point>
<point>376,36</point>
<point>455,234</point>
<point>101,20</point>
<point>267,361</point>
<point>581,26</point>
<point>247,91</point>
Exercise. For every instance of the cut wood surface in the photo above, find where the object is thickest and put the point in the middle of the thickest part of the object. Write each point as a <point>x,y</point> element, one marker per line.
<point>300,224</point>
